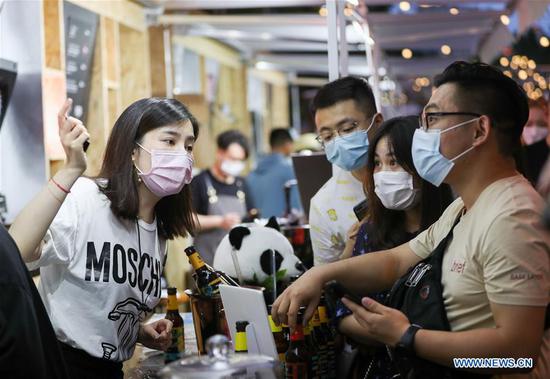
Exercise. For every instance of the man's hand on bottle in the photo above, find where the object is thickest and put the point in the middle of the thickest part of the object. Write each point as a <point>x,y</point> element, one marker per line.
<point>306,291</point>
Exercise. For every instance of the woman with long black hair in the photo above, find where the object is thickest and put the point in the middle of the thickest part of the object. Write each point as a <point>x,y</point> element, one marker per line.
<point>400,205</point>
<point>100,242</point>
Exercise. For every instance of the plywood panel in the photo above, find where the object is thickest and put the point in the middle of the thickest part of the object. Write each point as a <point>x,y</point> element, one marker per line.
<point>210,48</point>
<point>111,49</point>
<point>156,49</point>
<point>53,34</point>
<point>113,101</point>
<point>280,106</point>
<point>124,12</point>
<point>206,144</point>
<point>97,113</point>
<point>135,82</point>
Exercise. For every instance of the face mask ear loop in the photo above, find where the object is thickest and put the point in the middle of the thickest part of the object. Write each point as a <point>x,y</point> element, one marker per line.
<point>371,123</point>
<point>458,125</point>
<point>135,165</point>
<point>137,143</point>
<point>462,154</point>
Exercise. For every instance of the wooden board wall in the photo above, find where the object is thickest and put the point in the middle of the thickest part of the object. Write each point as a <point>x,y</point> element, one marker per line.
<point>121,71</point>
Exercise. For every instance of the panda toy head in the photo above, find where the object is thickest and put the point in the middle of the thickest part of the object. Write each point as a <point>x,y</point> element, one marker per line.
<point>254,249</point>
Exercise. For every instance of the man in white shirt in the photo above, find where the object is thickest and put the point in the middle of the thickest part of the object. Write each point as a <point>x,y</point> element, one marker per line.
<point>345,116</point>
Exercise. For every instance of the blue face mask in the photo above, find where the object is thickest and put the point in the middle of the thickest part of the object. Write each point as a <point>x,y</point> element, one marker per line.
<point>349,152</point>
<point>431,165</point>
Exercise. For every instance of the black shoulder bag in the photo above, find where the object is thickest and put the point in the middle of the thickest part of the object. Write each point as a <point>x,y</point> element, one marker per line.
<point>419,295</point>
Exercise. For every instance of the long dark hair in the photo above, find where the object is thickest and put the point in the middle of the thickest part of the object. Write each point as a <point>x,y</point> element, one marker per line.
<point>174,213</point>
<point>386,227</point>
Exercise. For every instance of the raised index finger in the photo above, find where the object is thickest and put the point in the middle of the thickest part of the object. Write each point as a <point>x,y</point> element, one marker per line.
<point>64,111</point>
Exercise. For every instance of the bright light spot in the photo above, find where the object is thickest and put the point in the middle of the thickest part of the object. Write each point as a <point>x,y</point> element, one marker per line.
<point>405,6</point>
<point>407,53</point>
<point>522,74</point>
<point>505,19</point>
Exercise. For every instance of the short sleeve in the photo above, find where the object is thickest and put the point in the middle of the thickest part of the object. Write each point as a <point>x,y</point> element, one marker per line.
<point>515,260</point>
<point>325,244</point>
<point>198,194</point>
<point>250,203</point>
<point>426,242</point>
<point>60,239</point>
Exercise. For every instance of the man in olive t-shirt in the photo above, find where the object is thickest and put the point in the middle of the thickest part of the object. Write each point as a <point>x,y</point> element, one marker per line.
<point>496,269</point>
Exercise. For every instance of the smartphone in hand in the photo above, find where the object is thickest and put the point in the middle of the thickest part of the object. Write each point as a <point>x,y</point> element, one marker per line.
<point>335,290</point>
<point>360,210</point>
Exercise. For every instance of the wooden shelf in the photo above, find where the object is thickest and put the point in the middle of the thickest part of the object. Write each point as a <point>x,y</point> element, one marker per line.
<point>53,34</point>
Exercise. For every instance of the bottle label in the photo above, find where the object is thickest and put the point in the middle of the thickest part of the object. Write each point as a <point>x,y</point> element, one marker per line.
<point>211,288</point>
<point>314,369</point>
<point>240,342</point>
<point>316,319</point>
<point>274,328</point>
<point>298,334</point>
<point>296,370</point>
<point>196,261</point>
<point>323,314</point>
<point>172,303</point>
<point>177,345</point>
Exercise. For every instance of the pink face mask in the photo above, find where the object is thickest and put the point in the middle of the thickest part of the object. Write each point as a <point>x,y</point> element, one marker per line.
<point>170,171</point>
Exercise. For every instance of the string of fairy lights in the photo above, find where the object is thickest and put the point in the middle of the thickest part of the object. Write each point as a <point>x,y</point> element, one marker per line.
<point>524,70</point>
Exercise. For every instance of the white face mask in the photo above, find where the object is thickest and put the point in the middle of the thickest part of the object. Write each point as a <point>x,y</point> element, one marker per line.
<point>534,134</point>
<point>232,168</point>
<point>395,189</point>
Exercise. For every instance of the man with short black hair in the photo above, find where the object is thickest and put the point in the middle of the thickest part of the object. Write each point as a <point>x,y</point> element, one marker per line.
<point>495,270</point>
<point>345,117</point>
<point>273,172</point>
<point>221,196</point>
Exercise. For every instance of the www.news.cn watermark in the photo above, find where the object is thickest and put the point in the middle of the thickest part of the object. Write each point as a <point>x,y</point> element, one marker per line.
<point>493,363</point>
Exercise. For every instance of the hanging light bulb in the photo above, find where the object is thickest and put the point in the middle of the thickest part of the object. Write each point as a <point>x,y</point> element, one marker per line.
<point>446,49</point>
<point>505,19</point>
<point>504,62</point>
<point>407,53</point>
<point>405,6</point>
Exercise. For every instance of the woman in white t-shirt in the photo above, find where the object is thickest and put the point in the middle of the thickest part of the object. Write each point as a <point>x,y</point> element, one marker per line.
<point>100,242</point>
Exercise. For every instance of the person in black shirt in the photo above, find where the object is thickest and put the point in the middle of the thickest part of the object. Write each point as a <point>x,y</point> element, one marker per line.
<point>28,345</point>
<point>220,196</point>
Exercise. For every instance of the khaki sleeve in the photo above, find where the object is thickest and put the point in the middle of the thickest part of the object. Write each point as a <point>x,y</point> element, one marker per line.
<point>426,242</point>
<point>515,260</point>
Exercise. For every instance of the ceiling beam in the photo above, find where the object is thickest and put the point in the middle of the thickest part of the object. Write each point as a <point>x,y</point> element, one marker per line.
<point>252,19</point>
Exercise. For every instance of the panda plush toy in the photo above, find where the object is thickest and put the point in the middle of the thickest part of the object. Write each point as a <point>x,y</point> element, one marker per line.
<point>254,248</point>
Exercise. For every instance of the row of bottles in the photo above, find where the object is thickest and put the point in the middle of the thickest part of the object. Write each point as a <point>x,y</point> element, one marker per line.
<point>309,352</point>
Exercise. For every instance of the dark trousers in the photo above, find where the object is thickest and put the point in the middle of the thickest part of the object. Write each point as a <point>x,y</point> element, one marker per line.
<point>81,365</point>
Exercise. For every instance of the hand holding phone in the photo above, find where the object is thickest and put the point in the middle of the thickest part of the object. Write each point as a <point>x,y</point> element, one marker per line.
<point>335,290</point>
<point>360,210</point>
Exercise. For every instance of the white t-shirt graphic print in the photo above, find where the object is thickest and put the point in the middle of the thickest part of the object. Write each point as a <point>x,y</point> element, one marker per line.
<point>95,281</point>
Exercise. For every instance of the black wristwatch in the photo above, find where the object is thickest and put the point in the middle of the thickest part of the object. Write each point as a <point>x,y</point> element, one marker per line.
<point>406,343</point>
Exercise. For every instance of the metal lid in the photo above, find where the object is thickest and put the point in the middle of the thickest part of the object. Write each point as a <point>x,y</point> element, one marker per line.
<point>219,362</point>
